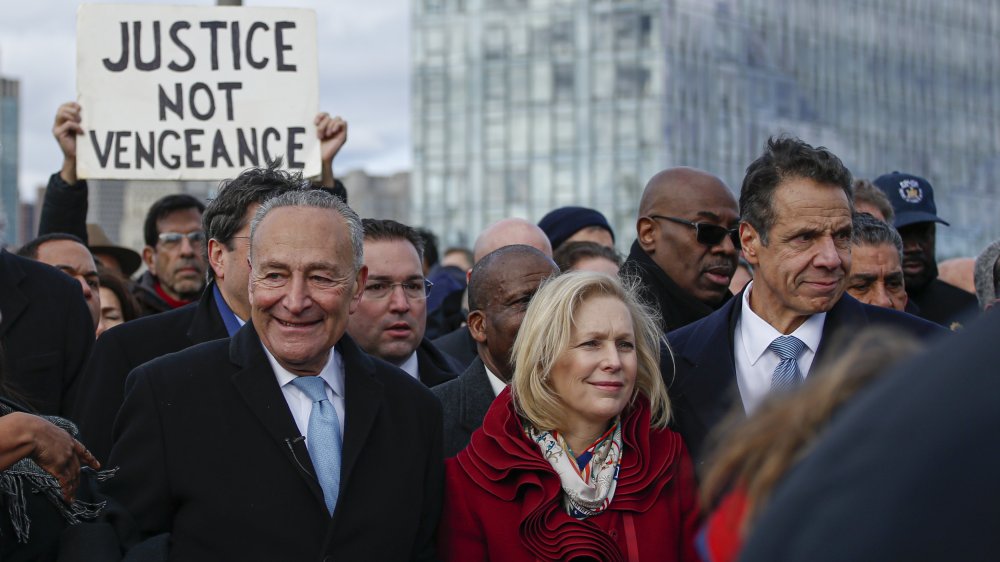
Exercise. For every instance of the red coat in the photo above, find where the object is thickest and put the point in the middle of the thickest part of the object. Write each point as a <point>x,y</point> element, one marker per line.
<point>503,499</point>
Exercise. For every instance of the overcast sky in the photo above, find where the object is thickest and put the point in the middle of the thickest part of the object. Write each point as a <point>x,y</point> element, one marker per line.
<point>364,55</point>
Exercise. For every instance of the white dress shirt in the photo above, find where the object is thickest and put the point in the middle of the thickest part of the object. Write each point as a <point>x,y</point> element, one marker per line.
<point>495,382</point>
<point>411,366</point>
<point>755,363</point>
<point>300,404</point>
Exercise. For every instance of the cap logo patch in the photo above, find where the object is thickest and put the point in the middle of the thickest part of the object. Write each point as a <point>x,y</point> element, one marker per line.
<point>910,191</point>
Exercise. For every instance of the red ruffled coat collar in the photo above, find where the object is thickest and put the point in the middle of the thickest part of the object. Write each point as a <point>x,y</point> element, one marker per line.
<point>504,462</point>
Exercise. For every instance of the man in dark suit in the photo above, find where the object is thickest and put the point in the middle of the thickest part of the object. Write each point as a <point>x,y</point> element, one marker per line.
<point>500,288</point>
<point>906,472</point>
<point>223,307</point>
<point>796,232</point>
<point>229,448</point>
<point>391,318</point>
<point>460,343</point>
<point>46,331</point>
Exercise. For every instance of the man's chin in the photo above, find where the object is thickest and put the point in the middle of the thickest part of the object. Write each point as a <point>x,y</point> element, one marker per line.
<point>189,290</point>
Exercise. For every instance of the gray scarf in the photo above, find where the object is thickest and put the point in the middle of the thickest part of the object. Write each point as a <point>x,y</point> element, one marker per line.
<point>26,476</point>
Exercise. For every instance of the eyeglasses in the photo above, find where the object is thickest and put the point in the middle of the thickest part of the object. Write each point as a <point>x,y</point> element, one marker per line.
<point>705,233</point>
<point>413,290</point>
<point>172,239</point>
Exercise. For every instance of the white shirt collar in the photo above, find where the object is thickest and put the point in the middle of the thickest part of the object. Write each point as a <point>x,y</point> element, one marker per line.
<point>758,334</point>
<point>332,373</point>
<point>496,383</point>
<point>411,365</point>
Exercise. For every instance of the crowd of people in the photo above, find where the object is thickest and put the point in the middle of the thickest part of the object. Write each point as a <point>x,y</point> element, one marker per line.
<point>287,380</point>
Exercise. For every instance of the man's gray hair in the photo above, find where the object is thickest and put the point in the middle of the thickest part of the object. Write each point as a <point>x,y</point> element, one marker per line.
<point>317,199</point>
<point>987,274</point>
<point>870,231</point>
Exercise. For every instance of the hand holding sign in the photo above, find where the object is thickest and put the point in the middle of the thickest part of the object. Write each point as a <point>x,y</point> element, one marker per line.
<point>195,93</point>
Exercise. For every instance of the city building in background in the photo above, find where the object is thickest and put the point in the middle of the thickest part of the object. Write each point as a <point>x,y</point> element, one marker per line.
<point>520,106</point>
<point>383,197</point>
<point>9,197</point>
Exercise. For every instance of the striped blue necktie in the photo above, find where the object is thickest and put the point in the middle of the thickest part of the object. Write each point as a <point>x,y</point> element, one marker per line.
<point>786,375</point>
<point>323,438</point>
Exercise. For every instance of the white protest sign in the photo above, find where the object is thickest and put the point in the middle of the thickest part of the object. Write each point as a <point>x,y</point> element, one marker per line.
<point>195,93</point>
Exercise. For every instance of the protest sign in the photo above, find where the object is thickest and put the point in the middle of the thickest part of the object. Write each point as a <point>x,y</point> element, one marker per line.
<point>195,93</point>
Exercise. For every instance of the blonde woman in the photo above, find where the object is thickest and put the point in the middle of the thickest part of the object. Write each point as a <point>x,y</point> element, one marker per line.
<point>575,461</point>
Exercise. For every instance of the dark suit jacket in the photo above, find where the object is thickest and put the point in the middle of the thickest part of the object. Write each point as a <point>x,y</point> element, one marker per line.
<point>125,347</point>
<point>465,401</point>
<point>435,367</point>
<point>905,471</point>
<point>458,345</point>
<point>208,451</point>
<point>705,390</point>
<point>47,333</point>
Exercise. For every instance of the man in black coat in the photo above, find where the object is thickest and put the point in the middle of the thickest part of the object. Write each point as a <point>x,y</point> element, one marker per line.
<point>685,252</point>
<point>223,307</point>
<point>796,231</point>
<point>391,318</point>
<point>905,472</point>
<point>912,200</point>
<point>500,288</point>
<point>46,331</point>
<point>220,446</point>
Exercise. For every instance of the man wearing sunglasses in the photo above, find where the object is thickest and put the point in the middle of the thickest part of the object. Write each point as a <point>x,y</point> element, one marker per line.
<point>174,255</point>
<point>391,317</point>
<point>685,251</point>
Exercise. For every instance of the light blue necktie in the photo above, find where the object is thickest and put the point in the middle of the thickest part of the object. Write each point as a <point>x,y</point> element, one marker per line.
<point>786,375</point>
<point>323,438</point>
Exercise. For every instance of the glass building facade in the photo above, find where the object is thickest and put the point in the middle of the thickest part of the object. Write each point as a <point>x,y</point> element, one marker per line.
<point>520,106</point>
<point>9,196</point>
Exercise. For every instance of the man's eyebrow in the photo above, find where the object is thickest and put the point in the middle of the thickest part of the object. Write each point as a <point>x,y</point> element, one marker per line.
<point>709,215</point>
<point>863,277</point>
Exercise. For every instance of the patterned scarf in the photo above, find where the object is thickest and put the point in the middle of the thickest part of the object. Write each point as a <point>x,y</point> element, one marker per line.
<point>587,490</point>
<point>26,476</point>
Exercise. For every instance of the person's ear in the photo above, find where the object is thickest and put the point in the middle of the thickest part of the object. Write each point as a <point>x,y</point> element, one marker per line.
<point>147,258</point>
<point>477,325</point>
<point>359,288</point>
<point>751,243</point>
<point>646,233</point>
<point>217,258</point>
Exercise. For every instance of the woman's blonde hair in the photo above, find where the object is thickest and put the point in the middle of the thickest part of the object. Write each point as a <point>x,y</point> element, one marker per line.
<point>755,453</point>
<point>545,334</point>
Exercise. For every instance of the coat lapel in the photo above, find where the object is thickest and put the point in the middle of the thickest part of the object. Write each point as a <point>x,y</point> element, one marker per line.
<point>362,400</point>
<point>12,300</point>
<point>258,387</point>
<point>476,396</point>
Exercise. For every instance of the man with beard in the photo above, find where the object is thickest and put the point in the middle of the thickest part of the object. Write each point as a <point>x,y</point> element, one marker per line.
<point>174,255</point>
<point>912,199</point>
<point>685,250</point>
<point>795,231</point>
<point>392,314</point>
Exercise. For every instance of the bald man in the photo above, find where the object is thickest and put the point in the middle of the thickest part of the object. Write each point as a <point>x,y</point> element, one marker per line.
<point>685,251</point>
<point>500,287</point>
<point>459,343</point>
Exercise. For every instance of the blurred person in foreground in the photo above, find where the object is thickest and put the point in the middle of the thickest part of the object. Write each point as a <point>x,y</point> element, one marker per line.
<point>575,461</point>
<point>751,455</point>
<point>876,274</point>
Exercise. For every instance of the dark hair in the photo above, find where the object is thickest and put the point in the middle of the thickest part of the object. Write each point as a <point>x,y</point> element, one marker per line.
<point>388,230</point>
<point>569,253</point>
<point>117,285</point>
<point>429,254</point>
<point>786,158</point>
<point>226,213</point>
<point>865,191</point>
<point>163,207</point>
<point>870,231</point>
<point>30,250</point>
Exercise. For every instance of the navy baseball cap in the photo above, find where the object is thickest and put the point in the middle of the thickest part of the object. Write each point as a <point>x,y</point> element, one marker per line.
<point>912,198</point>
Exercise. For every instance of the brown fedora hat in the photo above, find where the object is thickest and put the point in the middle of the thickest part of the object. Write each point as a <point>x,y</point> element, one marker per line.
<point>99,243</point>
